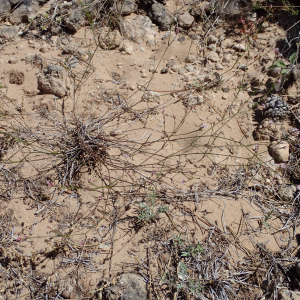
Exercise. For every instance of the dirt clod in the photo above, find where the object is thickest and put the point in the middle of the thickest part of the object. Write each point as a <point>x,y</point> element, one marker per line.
<point>16,77</point>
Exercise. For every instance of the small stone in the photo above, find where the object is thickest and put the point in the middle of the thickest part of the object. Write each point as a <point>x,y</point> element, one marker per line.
<point>126,7</point>
<point>150,95</point>
<point>175,68</point>
<point>186,20</point>
<point>191,58</point>
<point>126,48</point>
<point>144,75</point>
<point>286,192</point>
<point>13,60</point>
<point>119,64</point>
<point>213,56</point>
<point>211,39</point>
<point>279,151</point>
<point>9,33</point>
<point>104,247</point>
<point>164,70</point>
<point>170,64</point>
<point>142,49</point>
<point>189,68</point>
<point>181,39</point>
<point>224,97</point>
<point>219,66</point>
<point>227,58</point>
<point>109,39</point>
<point>143,71</point>
<point>15,20</point>
<point>129,286</point>
<point>45,48</point>
<point>20,47</point>
<point>133,64</point>
<point>133,87</point>
<point>239,47</point>
<point>151,69</point>
<point>75,20</point>
<point>116,132</point>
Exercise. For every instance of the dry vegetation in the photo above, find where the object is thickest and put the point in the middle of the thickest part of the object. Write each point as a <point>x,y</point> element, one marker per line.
<point>126,186</point>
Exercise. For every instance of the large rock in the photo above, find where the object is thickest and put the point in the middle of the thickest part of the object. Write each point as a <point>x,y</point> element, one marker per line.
<point>53,81</point>
<point>9,33</point>
<point>129,287</point>
<point>109,39</point>
<point>161,16</point>
<point>186,20</point>
<point>75,20</point>
<point>280,151</point>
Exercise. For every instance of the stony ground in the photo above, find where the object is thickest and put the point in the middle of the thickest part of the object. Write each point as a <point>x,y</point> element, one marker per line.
<point>149,150</point>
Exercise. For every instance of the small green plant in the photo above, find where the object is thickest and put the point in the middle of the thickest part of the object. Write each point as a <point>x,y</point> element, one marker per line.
<point>1,86</point>
<point>283,69</point>
<point>149,211</point>
<point>178,241</point>
<point>182,272</point>
<point>268,217</point>
<point>190,250</point>
<point>191,285</point>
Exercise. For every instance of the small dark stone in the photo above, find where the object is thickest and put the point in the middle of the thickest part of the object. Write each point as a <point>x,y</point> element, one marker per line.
<point>164,70</point>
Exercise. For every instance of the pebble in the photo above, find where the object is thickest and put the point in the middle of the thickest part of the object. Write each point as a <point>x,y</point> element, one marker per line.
<point>214,57</point>
<point>219,66</point>
<point>133,87</point>
<point>151,69</point>
<point>286,192</point>
<point>279,151</point>
<point>224,97</point>
<point>126,48</point>
<point>170,64</point>
<point>45,48</point>
<point>191,58</point>
<point>13,60</point>
<point>164,70</point>
<point>133,64</point>
<point>189,68</point>
<point>239,47</point>
<point>227,58</point>
<point>142,49</point>
<point>212,40</point>
<point>144,75</point>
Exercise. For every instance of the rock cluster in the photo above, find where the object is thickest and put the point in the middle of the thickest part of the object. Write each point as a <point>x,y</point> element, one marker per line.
<point>276,107</point>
